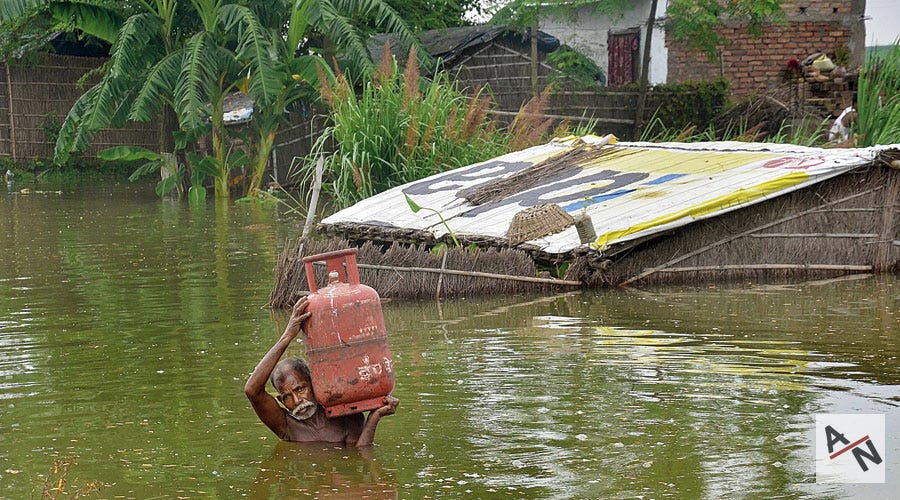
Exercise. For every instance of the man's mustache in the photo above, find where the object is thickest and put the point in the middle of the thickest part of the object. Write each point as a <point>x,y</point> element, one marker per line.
<point>303,410</point>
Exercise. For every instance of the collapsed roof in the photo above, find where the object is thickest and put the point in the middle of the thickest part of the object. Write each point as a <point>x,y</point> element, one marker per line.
<point>628,192</point>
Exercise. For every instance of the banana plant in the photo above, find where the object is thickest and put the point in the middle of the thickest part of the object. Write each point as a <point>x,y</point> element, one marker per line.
<point>198,167</point>
<point>189,56</point>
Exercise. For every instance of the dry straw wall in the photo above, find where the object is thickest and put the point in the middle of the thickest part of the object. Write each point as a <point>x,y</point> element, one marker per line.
<point>34,101</point>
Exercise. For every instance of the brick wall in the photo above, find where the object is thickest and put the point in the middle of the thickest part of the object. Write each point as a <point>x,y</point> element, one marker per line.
<point>755,64</point>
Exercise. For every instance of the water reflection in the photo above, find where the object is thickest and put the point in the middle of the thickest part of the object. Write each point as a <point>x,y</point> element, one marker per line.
<point>303,470</point>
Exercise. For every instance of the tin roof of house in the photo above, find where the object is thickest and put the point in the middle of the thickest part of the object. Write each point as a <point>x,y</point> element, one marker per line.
<point>630,190</point>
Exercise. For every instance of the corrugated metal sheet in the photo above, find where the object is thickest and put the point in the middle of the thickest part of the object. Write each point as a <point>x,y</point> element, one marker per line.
<point>631,191</point>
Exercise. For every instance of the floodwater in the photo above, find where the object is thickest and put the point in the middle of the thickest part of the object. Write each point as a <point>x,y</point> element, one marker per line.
<point>128,326</point>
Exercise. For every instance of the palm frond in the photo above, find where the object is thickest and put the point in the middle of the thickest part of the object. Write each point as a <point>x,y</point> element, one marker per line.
<point>255,50</point>
<point>297,25</point>
<point>73,136</point>
<point>97,20</point>
<point>158,85</point>
<point>198,71</point>
<point>330,20</point>
<point>134,44</point>
<point>386,19</point>
<point>107,106</point>
<point>14,9</point>
<point>103,105</point>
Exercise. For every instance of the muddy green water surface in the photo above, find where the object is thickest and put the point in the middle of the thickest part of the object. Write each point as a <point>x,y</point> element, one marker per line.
<point>128,326</point>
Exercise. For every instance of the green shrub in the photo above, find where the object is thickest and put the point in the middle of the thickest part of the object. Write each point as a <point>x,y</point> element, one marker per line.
<point>575,67</point>
<point>878,99</point>
<point>680,105</point>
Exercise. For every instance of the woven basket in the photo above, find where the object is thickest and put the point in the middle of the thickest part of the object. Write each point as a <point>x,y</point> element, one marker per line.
<point>537,222</point>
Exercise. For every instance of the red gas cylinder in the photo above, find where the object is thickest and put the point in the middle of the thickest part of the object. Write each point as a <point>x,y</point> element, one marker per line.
<point>346,341</point>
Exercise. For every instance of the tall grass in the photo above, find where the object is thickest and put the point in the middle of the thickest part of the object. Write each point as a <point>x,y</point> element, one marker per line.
<point>400,128</point>
<point>787,133</point>
<point>878,99</point>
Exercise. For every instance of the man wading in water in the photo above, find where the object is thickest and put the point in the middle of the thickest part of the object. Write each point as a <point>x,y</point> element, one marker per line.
<point>302,418</point>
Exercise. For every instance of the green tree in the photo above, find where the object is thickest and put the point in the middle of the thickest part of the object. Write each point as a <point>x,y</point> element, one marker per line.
<point>152,64</point>
<point>190,58</point>
<point>695,21</point>
<point>433,14</point>
<point>315,30</point>
<point>98,18</point>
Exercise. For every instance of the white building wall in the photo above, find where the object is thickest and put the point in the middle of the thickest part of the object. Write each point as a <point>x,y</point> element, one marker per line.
<point>588,32</point>
<point>659,54</point>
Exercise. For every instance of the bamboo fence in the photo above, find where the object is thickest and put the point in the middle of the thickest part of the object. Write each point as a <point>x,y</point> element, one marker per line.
<point>34,101</point>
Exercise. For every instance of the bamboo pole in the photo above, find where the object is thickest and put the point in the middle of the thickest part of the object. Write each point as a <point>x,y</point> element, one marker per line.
<point>12,123</point>
<point>314,199</point>
<point>564,117</point>
<point>473,274</point>
<point>494,56</point>
<point>814,235</point>
<point>437,290</point>
<point>502,65</point>
<point>648,272</point>
<point>764,267</point>
<point>882,258</point>
<point>534,55</point>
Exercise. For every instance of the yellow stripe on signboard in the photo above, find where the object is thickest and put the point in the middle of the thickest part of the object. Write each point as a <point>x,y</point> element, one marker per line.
<point>661,161</point>
<point>720,203</point>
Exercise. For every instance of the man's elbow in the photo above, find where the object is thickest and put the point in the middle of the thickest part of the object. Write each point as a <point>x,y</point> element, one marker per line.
<point>251,390</point>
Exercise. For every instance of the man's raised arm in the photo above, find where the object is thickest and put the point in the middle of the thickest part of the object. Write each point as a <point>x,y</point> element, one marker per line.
<point>264,405</point>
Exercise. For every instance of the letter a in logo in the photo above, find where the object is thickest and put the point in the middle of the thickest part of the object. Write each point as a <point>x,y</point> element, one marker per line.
<point>834,437</point>
<point>859,434</point>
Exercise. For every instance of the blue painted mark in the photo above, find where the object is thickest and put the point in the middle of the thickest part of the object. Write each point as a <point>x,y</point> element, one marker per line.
<point>595,199</point>
<point>578,205</point>
<point>665,178</point>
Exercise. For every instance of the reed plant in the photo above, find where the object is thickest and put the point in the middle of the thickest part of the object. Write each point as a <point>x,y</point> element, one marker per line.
<point>878,99</point>
<point>398,129</point>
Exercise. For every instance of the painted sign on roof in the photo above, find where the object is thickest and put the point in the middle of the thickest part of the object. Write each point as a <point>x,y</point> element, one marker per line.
<point>629,190</point>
